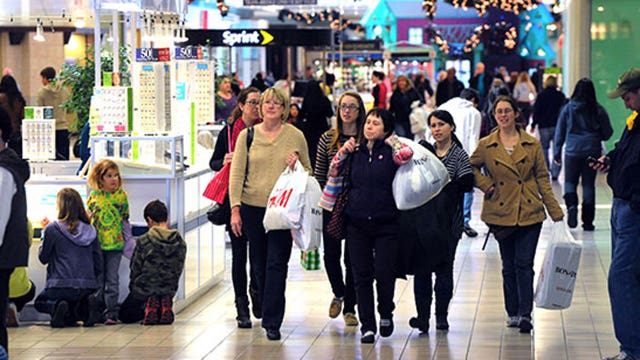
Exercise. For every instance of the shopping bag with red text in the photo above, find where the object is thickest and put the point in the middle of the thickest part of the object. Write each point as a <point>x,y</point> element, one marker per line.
<point>285,203</point>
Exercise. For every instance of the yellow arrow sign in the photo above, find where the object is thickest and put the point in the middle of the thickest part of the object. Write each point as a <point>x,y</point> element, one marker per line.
<point>266,37</point>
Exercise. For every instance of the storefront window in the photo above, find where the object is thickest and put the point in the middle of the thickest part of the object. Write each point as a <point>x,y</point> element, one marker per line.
<point>415,36</point>
<point>615,47</point>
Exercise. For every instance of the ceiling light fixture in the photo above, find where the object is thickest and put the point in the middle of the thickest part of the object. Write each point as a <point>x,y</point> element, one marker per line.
<point>39,36</point>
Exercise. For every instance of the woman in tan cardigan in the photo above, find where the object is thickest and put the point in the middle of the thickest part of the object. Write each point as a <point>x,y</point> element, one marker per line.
<point>275,145</point>
<point>517,189</point>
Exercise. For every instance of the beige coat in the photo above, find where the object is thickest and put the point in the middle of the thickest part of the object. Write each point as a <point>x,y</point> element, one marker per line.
<point>520,180</point>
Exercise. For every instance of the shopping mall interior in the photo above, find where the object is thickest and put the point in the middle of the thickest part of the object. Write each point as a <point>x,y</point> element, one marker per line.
<point>153,107</point>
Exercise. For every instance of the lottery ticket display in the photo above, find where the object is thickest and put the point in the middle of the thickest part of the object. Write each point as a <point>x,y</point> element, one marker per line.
<point>39,139</point>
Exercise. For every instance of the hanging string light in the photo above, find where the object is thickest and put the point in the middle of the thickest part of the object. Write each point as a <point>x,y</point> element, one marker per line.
<point>481,6</point>
<point>435,37</point>
<point>499,38</point>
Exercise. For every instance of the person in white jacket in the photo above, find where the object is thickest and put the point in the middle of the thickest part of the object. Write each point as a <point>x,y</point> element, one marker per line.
<point>468,120</point>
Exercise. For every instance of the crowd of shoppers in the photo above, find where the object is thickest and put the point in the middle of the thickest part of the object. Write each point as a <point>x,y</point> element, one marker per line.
<point>83,248</point>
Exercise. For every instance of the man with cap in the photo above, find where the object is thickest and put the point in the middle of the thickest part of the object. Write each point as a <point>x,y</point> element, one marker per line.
<point>623,165</point>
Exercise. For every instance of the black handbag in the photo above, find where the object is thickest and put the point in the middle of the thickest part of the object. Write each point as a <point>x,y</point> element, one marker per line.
<point>220,214</point>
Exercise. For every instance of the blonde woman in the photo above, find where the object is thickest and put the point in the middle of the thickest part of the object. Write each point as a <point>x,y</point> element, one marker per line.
<point>524,92</point>
<point>274,146</point>
<point>400,105</point>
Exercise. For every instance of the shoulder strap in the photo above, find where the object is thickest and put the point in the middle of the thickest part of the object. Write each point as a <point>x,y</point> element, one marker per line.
<point>249,138</point>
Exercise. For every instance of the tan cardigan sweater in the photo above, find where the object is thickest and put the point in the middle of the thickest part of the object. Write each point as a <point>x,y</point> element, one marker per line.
<point>266,161</point>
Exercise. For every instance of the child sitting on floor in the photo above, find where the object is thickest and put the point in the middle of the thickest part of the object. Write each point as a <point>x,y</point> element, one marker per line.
<point>156,266</point>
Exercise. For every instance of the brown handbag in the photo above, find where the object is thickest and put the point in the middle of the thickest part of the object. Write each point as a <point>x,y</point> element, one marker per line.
<point>337,226</point>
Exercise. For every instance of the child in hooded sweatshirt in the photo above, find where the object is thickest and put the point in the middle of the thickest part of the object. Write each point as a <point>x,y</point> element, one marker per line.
<point>156,266</point>
<point>72,252</point>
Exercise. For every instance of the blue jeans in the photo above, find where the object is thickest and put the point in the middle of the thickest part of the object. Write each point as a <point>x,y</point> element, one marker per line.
<point>466,207</point>
<point>624,276</point>
<point>517,253</point>
<point>576,168</point>
<point>109,282</point>
<point>546,136</point>
<point>269,254</point>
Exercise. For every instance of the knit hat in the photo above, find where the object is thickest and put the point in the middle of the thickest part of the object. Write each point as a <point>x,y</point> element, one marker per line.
<point>629,81</point>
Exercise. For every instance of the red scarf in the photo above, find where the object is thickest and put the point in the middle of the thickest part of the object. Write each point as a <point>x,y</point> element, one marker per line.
<point>236,128</point>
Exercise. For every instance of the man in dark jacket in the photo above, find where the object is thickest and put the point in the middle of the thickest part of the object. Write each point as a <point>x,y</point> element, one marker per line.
<point>623,165</point>
<point>448,88</point>
<point>14,236</point>
<point>156,266</point>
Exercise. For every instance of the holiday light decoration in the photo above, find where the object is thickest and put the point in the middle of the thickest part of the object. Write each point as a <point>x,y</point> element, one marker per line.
<point>499,38</point>
<point>435,37</point>
<point>515,6</point>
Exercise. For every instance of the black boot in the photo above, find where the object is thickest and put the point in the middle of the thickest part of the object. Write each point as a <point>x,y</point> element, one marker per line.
<point>256,303</point>
<point>571,199</point>
<point>421,322</point>
<point>588,214</point>
<point>243,318</point>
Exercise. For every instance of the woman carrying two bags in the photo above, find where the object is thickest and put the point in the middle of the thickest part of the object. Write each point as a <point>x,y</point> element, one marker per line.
<point>275,145</point>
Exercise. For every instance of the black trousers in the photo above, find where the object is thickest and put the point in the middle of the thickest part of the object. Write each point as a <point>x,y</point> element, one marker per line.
<point>423,284</point>
<point>269,255</point>
<point>239,265</point>
<point>76,298</point>
<point>341,283</point>
<point>5,274</point>
<point>132,309</point>
<point>21,301</point>
<point>373,248</point>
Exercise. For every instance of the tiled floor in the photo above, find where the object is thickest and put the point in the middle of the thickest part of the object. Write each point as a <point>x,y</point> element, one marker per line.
<point>207,330</point>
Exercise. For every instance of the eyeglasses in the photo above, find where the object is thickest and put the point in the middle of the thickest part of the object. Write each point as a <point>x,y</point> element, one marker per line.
<point>345,107</point>
<point>505,111</point>
<point>272,102</point>
<point>253,102</point>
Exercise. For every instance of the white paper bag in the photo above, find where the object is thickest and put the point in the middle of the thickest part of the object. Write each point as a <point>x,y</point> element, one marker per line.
<point>419,180</point>
<point>557,277</point>
<point>284,206</point>
<point>309,236</point>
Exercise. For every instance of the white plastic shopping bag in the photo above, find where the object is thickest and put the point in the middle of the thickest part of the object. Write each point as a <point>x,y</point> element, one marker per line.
<point>309,236</point>
<point>557,277</point>
<point>419,180</point>
<point>284,206</point>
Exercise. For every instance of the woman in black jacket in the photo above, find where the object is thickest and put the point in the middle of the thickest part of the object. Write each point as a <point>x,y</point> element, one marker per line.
<point>433,251</point>
<point>372,218</point>
<point>244,115</point>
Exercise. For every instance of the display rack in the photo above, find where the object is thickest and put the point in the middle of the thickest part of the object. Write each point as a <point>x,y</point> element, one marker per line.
<point>152,90</point>
<point>38,139</point>
<point>112,108</point>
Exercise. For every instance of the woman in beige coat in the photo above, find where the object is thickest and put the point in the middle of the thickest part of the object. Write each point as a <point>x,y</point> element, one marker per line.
<point>517,189</point>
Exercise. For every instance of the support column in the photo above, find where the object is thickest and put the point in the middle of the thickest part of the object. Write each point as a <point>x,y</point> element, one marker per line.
<point>576,52</point>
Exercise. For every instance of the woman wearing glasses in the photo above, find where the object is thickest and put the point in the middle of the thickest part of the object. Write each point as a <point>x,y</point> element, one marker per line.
<point>254,172</point>
<point>517,189</point>
<point>244,115</point>
<point>349,123</point>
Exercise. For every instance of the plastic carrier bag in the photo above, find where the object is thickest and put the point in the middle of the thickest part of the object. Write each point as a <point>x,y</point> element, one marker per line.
<point>557,277</point>
<point>309,236</point>
<point>419,180</point>
<point>284,207</point>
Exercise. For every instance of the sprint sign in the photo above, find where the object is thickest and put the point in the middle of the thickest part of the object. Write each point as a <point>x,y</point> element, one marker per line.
<point>286,201</point>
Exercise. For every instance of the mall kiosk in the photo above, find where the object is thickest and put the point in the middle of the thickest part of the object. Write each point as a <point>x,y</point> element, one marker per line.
<point>149,129</point>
